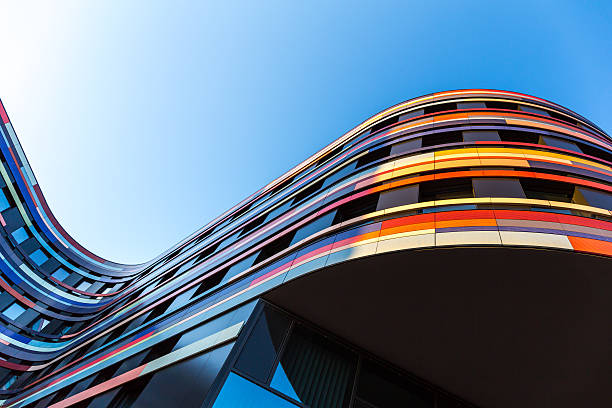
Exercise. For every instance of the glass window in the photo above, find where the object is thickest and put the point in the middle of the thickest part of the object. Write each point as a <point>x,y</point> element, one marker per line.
<point>238,392</point>
<point>40,324</point>
<point>20,235</point>
<point>261,348</point>
<point>39,257</point>
<point>497,187</point>
<point>313,227</point>
<point>398,196</point>
<point>4,203</point>
<point>471,105</point>
<point>594,198</point>
<point>531,109</point>
<point>83,285</point>
<point>373,156</point>
<point>315,371</point>
<point>184,384</point>
<point>412,114</point>
<point>13,311</point>
<point>407,146</point>
<point>560,143</point>
<point>340,174</point>
<point>60,274</point>
<point>480,135</point>
<point>239,267</point>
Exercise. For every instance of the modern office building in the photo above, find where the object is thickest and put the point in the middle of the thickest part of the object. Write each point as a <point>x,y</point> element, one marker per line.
<point>454,250</point>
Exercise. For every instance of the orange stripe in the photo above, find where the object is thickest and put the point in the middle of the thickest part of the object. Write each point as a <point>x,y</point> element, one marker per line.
<point>591,245</point>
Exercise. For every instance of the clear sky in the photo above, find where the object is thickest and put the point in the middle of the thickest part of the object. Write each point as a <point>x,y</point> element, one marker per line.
<point>145,120</point>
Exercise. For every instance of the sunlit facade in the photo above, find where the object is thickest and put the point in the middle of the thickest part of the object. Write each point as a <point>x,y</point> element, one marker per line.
<point>453,250</point>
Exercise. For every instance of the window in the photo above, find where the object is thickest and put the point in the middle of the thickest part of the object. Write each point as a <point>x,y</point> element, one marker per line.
<point>240,212</point>
<point>471,105</point>
<point>83,285</point>
<point>252,225</point>
<point>260,351</point>
<point>594,198</point>
<point>209,283</point>
<point>20,235</point>
<point>445,189</point>
<point>239,267</point>
<point>519,137</point>
<point>308,191</point>
<point>442,138</point>
<point>313,367</point>
<point>548,190</point>
<point>480,135</point>
<point>340,174</point>
<point>531,109</point>
<point>501,105</point>
<point>13,311</point>
<point>373,156</point>
<point>329,155</point>
<point>4,202</point>
<point>410,115</point>
<point>356,208</point>
<point>313,227</point>
<point>238,392</point>
<point>206,253</point>
<point>281,186</point>
<point>39,324</point>
<point>383,124</point>
<point>275,247</point>
<point>407,146</point>
<point>398,196</point>
<point>39,257</point>
<point>60,274</point>
<point>440,107</point>
<point>558,142</point>
<point>497,187</point>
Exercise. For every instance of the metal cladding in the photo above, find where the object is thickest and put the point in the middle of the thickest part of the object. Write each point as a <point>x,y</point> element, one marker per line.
<point>458,168</point>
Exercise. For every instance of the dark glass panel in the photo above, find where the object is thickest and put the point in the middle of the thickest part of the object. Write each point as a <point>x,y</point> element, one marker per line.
<point>308,191</point>
<point>471,105</point>
<point>413,114</point>
<point>406,146</point>
<point>480,135</point>
<point>442,138</point>
<point>373,156</point>
<point>531,109</point>
<point>259,353</point>
<point>440,107</point>
<point>445,189</point>
<point>240,393</point>
<point>398,196</point>
<point>315,370</point>
<point>343,172</point>
<point>184,384</point>
<point>314,226</point>
<point>557,142</point>
<point>384,124</point>
<point>497,187</point>
<point>594,198</point>
<point>360,206</point>
<point>548,190</point>
<point>386,389</point>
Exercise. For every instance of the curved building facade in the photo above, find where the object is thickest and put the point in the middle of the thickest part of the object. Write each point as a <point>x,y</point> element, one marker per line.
<point>454,250</point>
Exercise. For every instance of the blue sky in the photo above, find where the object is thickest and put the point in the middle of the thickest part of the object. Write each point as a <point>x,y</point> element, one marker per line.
<point>144,120</point>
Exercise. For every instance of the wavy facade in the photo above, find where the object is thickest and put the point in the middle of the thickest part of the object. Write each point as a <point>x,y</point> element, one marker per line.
<point>454,249</point>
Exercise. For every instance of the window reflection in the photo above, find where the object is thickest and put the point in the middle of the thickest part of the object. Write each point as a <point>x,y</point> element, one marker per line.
<point>240,393</point>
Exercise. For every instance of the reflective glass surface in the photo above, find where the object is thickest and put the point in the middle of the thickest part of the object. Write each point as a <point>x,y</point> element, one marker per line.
<point>240,393</point>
